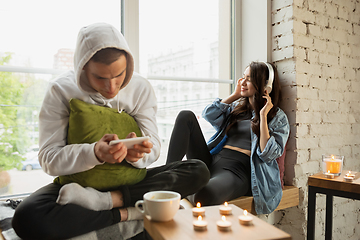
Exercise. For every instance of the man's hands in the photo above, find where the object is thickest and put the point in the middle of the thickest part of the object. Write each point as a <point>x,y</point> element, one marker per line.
<point>139,150</point>
<point>118,152</point>
<point>111,154</point>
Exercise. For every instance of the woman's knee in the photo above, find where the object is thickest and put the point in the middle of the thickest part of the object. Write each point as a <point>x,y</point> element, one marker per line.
<point>185,115</point>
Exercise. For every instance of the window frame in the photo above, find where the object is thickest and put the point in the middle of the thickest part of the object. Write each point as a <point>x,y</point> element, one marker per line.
<point>242,16</point>
<point>238,43</point>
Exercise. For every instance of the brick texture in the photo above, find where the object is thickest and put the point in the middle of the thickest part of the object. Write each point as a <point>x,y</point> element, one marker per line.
<point>316,47</point>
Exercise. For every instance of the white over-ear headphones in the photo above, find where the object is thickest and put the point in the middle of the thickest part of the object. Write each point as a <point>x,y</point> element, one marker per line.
<point>270,81</point>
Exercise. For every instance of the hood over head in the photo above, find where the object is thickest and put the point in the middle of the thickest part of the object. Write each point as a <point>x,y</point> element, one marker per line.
<point>90,40</point>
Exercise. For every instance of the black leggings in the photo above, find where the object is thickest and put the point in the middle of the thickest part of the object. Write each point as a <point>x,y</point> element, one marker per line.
<point>40,217</point>
<point>230,170</point>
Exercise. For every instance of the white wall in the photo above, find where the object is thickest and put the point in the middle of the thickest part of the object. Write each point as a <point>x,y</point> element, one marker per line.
<point>255,32</point>
<point>316,47</point>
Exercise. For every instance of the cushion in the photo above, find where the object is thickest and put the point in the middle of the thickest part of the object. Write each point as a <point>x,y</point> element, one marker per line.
<point>87,124</point>
<point>281,164</point>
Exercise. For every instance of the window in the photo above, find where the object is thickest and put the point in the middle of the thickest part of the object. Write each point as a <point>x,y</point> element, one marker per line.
<point>37,43</point>
<point>179,46</point>
<point>182,47</point>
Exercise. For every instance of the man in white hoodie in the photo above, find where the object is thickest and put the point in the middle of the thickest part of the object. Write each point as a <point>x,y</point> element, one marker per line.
<point>103,75</point>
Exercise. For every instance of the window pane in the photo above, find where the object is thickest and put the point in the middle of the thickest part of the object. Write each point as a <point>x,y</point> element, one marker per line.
<point>39,34</point>
<point>38,30</point>
<point>180,39</point>
<point>20,100</point>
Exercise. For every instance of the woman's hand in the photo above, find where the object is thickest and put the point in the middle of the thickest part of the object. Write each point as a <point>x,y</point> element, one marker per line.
<point>268,105</point>
<point>264,130</point>
<point>235,95</point>
<point>237,91</point>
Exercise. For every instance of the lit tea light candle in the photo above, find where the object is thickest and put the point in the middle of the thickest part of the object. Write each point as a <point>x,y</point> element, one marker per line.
<point>198,210</point>
<point>349,177</point>
<point>245,219</point>
<point>350,174</point>
<point>225,209</point>
<point>223,224</point>
<point>329,175</point>
<point>200,224</point>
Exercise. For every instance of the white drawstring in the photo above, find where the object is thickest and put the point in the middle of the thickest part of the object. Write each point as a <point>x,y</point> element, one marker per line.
<point>94,97</point>
<point>118,105</point>
<point>105,103</point>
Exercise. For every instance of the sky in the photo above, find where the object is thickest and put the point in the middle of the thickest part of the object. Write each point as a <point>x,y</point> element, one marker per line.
<point>39,28</point>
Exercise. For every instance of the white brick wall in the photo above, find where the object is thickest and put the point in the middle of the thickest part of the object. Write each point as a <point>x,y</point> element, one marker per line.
<point>316,47</point>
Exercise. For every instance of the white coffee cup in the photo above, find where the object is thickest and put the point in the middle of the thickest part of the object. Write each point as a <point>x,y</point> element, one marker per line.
<point>159,205</point>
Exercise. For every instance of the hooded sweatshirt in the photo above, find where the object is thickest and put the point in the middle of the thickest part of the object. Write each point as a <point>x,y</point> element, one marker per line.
<point>136,97</point>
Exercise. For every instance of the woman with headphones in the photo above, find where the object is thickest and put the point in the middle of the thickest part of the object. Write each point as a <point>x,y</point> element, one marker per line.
<point>251,134</point>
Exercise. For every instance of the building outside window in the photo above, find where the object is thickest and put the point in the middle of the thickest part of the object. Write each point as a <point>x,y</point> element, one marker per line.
<point>179,53</point>
<point>178,48</point>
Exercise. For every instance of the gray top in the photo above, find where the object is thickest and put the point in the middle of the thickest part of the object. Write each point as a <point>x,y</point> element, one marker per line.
<point>239,135</point>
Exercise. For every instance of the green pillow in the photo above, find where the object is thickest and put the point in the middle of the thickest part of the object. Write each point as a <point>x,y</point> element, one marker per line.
<point>87,124</point>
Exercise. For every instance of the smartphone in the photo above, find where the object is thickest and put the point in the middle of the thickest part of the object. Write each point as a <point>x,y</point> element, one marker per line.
<point>130,142</point>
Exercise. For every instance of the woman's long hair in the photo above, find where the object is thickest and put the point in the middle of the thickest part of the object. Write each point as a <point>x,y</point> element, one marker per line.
<point>259,74</point>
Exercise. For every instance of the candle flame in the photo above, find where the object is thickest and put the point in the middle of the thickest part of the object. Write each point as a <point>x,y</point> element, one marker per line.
<point>223,218</point>
<point>328,171</point>
<point>199,217</point>
<point>198,205</point>
<point>332,157</point>
<point>225,203</point>
<point>349,174</point>
<point>245,212</point>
